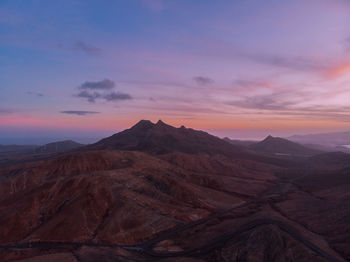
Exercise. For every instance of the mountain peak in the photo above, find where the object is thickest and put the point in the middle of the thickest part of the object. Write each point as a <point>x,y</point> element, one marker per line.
<point>161,138</point>
<point>143,121</point>
<point>160,123</point>
<point>278,145</point>
<point>59,146</point>
<point>163,126</point>
<point>143,124</point>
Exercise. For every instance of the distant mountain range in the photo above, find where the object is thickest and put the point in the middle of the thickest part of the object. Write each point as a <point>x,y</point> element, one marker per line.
<point>153,192</point>
<point>17,148</point>
<point>160,138</point>
<point>282,147</point>
<point>276,146</point>
<point>56,147</point>
<point>18,153</point>
<point>328,141</point>
<point>7,151</point>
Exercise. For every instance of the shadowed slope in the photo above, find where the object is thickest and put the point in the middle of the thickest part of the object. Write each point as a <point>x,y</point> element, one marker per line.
<point>281,146</point>
<point>161,138</point>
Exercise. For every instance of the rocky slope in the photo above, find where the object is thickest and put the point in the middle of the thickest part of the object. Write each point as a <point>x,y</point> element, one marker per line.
<point>161,138</point>
<point>176,201</point>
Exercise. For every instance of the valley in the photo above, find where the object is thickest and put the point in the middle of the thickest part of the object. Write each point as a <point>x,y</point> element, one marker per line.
<point>159,193</point>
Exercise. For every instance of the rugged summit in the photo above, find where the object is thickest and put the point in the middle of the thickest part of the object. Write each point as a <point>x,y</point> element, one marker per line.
<point>161,138</point>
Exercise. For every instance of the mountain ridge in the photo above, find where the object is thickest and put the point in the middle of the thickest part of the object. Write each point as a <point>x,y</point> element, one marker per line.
<point>282,146</point>
<point>161,138</point>
<point>57,147</point>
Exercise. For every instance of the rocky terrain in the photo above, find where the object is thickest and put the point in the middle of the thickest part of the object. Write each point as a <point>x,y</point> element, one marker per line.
<point>159,193</point>
<point>56,147</point>
<point>11,154</point>
<point>13,151</point>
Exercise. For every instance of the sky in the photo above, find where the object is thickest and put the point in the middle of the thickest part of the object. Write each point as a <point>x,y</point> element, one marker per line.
<point>86,69</point>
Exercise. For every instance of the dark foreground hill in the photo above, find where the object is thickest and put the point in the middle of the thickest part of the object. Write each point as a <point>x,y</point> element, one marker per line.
<point>172,203</point>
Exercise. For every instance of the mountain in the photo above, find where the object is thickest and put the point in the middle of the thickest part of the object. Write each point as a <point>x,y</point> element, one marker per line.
<point>282,147</point>
<point>57,147</point>
<point>325,139</point>
<point>159,193</point>
<point>328,148</point>
<point>8,152</point>
<point>242,143</point>
<point>17,149</point>
<point>161,138</point>
<point>132,206</point>
<point>115,198</point>
<point>330,159</point>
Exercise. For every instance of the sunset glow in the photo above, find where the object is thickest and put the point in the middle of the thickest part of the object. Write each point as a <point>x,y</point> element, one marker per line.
<point>96,67</point>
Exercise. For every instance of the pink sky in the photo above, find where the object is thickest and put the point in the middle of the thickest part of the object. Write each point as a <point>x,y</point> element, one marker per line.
<point>238,69</point>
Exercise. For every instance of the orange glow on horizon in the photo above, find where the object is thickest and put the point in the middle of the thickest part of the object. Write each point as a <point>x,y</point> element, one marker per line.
<point>340,70</point>
<point>201,122</point>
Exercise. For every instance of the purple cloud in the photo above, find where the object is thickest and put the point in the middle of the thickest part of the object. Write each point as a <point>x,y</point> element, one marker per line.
<point>201,80</point>
<point>79,113</point>
<point>86,48</point>
<point>105,84</point>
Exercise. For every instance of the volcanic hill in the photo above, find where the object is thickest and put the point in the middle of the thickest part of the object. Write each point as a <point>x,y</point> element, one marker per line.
<point>159,193</point>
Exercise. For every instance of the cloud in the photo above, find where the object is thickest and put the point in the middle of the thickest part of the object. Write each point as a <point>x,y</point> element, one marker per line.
<point>105,84</point>
<point>295,63</point>
<point>283,104</point>
<point>327,68</point>
<point>263,102</point>
<point>201,80</point>
<point>251,85</point>
<point>79,113</point>
<point>339,70</point>
<point>86,48</point>
<point>35,94</point>
<point>333,113</point>
<point>100,90</point>
<point>114,96</point>
<point>90,96</point>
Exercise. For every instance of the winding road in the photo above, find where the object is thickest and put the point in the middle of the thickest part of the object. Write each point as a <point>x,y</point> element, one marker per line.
<point>146,247</point>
